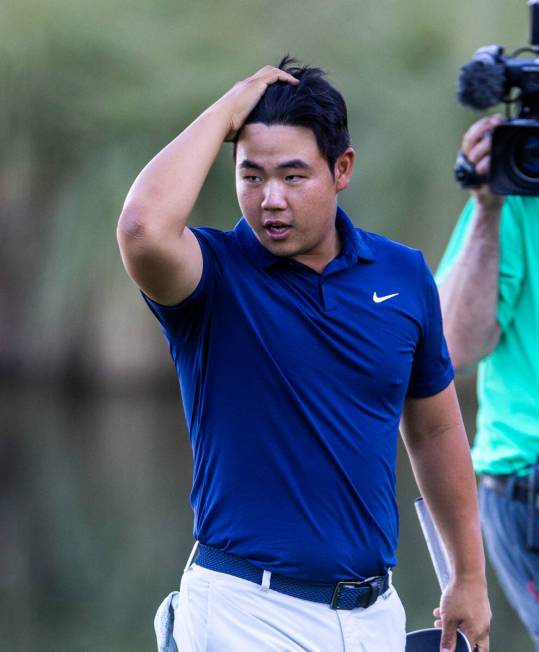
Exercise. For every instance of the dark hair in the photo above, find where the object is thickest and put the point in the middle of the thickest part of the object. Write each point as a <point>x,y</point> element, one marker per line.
<point>313,103</point>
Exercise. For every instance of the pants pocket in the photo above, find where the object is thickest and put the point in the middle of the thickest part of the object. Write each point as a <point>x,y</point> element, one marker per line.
<point>164,624</point>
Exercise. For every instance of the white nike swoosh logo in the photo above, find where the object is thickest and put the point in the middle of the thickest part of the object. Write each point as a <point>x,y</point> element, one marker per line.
<point>378,299</point>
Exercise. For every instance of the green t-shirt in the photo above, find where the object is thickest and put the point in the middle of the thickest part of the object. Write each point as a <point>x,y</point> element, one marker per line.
<point>507,438</point>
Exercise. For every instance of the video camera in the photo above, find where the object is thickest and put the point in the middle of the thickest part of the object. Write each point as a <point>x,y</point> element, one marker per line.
<point>489,78</point>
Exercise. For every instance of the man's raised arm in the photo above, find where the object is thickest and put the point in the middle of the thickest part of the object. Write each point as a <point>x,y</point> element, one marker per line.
<point>469,294</point>
<point>159,253</point>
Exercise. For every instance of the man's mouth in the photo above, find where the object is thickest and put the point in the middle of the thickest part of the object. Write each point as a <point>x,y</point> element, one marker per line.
<point>277,230</point>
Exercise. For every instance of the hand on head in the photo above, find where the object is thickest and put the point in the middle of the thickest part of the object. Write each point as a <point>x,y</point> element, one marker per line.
<point>242,98</point>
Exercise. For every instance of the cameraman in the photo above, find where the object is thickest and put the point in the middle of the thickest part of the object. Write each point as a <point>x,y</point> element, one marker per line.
<point>489,288</point>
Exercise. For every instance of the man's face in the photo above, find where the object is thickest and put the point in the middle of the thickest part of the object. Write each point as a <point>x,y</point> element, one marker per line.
<point>287,192</point>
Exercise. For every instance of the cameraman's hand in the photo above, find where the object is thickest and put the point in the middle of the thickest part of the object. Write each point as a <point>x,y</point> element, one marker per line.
<point>242,98</point>
<point>476,146</point>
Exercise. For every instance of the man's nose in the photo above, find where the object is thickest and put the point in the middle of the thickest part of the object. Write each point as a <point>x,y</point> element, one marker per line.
<point>274,197</point>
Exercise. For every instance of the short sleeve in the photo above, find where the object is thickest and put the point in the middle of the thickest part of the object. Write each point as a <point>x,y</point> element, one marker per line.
<point>432,370</point>
<point>178,321</point>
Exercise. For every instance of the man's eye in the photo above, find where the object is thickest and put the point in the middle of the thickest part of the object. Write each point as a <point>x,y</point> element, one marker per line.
<point>294,177</point>
<point>250,178</point>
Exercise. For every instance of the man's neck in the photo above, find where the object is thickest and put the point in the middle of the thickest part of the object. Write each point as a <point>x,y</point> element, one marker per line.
<point>319,260</point>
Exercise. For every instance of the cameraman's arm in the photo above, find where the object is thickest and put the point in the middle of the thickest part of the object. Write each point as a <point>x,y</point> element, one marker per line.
<point>469,293</point>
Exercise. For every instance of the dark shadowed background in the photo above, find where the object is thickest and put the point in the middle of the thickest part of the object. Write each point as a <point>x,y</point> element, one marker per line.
<point>95,463</point>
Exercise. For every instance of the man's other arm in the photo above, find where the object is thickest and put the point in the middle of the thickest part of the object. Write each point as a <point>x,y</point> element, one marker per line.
<point>469,293</point>
<point>437,445</point>
<point>160,254</point>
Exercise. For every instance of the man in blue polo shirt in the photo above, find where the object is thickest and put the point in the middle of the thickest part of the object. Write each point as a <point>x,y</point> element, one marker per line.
<point>300,341</point>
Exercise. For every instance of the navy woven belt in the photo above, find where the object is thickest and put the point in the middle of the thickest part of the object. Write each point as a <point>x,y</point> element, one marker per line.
<point>341,595</point>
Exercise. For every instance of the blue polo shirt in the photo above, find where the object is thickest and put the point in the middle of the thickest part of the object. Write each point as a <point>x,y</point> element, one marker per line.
<point>293,384</point>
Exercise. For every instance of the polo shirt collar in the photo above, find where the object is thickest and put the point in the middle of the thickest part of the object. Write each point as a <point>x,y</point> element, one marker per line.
<point>354,246</point>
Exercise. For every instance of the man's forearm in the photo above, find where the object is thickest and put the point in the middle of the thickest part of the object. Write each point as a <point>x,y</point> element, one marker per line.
<point>438,448</point>
<point>469,294</point>
<point>450,492</point>
<point>444,473</point>
<point>436,442</point>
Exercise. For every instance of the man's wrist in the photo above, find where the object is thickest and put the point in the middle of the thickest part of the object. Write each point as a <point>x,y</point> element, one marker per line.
<point>470,576</point>
<point>487,203</point>
<point>220,115</point>
<point>487,215</point>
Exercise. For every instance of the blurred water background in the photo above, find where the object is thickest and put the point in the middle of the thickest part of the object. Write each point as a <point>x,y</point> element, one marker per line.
<point>95,466</point>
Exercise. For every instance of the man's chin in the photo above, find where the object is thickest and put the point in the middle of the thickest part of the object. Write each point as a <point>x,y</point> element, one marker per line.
<point>281,249</point>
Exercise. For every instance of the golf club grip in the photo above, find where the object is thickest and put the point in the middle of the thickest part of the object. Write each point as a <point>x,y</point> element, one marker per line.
<point>435,545</point>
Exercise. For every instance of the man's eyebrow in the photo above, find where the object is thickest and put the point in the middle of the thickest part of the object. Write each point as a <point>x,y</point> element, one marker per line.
<point>295,163</point>
<point>246,163</point>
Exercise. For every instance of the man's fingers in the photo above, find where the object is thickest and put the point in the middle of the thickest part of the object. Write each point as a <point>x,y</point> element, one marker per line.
<point>448,640</point>
<point>478,645</point>
<point>477,131</point>
<point>287,77</point>
<point>477,143</point>
<point>244,95</point>
<point>270,75</point>
<point>481,646</point>
<point>474,134</point>
<point>483,166</point>
<point>480,150</point>
<point>479,642</point>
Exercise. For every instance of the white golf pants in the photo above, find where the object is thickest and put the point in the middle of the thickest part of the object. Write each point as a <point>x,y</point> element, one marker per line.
<point>216,612</point>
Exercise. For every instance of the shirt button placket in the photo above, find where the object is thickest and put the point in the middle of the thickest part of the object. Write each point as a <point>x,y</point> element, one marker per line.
<point>326,295</point>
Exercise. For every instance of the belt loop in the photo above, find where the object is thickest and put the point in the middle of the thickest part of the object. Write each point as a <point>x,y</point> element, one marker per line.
<point>266,578</point>
<point>191,557</point>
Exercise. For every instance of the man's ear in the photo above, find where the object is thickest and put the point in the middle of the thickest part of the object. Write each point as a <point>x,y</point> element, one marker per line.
<point>344,167</point>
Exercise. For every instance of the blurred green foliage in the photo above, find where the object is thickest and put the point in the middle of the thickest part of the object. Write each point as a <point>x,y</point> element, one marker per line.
<point>91,91</point>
